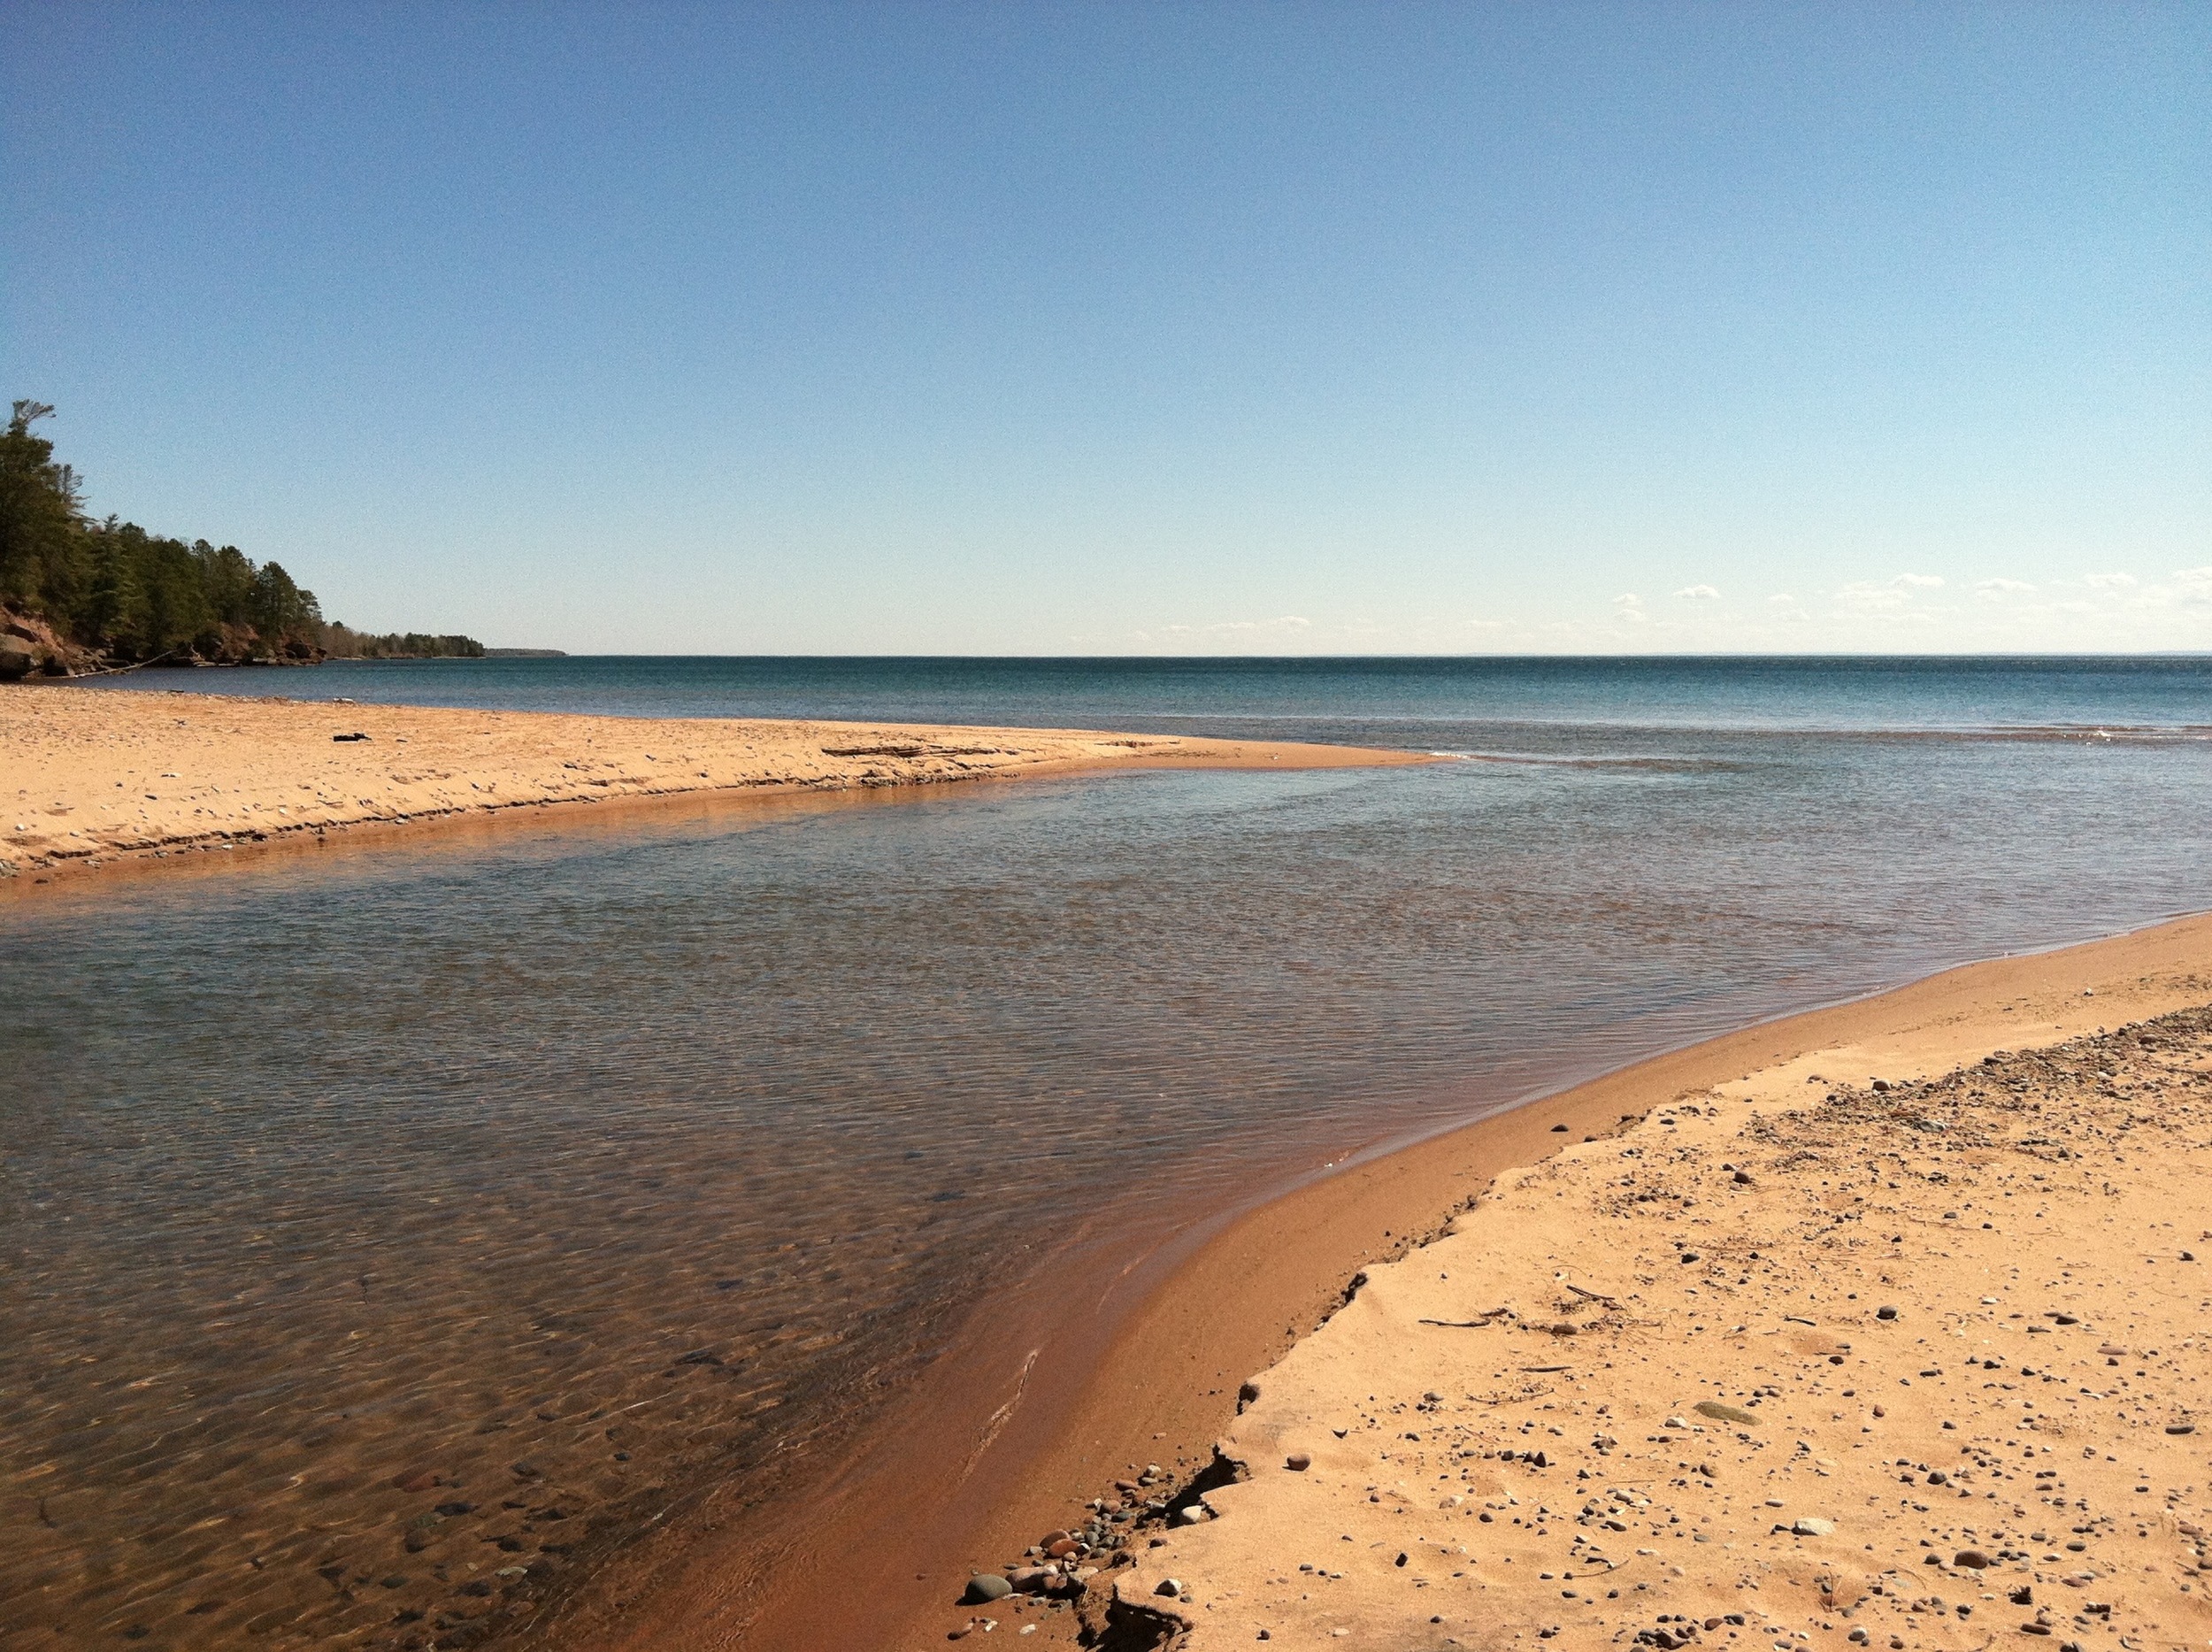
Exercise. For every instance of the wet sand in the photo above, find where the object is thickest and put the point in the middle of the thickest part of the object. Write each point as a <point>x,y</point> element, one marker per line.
<point>97,778</point>
<point>1043,1407</point>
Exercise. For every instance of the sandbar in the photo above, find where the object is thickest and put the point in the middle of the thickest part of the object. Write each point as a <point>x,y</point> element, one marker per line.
<point>97,777</point>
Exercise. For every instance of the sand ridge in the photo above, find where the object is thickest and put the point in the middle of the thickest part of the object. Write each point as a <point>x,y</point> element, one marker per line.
<point>1797,1361</point>
<point>92,777</point>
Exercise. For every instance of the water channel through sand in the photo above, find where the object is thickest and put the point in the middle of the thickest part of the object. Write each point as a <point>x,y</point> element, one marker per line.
<point>392,1241</point>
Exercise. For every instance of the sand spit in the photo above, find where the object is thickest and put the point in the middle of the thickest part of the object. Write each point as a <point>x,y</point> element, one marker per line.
<point>94,777</point>
<point>1898,1344</point>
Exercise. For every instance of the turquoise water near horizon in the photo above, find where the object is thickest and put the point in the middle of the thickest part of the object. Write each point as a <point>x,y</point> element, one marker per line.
<point>587,1166</point>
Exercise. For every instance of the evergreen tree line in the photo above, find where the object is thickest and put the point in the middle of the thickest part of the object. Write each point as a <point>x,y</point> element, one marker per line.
<point>119,592</point>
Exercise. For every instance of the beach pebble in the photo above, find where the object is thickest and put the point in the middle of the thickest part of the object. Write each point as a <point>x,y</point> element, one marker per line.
<point>984,1588</point>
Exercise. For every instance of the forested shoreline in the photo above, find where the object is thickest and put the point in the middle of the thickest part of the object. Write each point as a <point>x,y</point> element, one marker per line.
<point>79,594</point>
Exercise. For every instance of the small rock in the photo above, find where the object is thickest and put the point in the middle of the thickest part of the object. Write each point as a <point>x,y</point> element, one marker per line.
<point>983,1588</point>
<point>421,1482</point>
<point>1298,1462</point>
<point>1885,1312</point>
<point>1971,1557</point>
<point>1721,1413</point>
<point>1171,1588</point>
<point>1812,1525</point>
<point>2181,1428</point>
<point>1742,1179</point>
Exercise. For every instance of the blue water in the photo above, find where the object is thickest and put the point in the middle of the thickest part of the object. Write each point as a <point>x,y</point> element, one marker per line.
<point>1861,694</point>
<point>330,1171</point>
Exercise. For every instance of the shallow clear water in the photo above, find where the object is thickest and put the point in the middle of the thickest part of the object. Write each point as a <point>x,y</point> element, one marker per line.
<point>321,1176</point>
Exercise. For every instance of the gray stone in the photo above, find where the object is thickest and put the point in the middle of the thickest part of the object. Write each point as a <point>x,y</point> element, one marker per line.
<point>984,1588</point>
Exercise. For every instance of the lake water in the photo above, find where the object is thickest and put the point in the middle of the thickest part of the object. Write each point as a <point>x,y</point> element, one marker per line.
<point>583,1166</point>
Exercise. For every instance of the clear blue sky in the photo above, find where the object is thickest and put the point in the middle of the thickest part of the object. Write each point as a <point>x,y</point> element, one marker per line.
<point>1035,328</point>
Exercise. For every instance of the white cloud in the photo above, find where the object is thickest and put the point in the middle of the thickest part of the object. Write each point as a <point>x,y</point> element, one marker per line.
<point>2003,587</point>
<point>2110,582</point>
<point>1698,593</point>
<point>1919,582</point>
<point>1864,597</point>
<point>1286,625</point>
<point>2193,585</point>
<point>1628,599</point>
<point>1629,607</point>
<point>1781,598</point>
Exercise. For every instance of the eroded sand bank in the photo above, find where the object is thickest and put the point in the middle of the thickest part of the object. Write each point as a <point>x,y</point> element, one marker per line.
<point>1792,1360</point>
<point>93,777</point>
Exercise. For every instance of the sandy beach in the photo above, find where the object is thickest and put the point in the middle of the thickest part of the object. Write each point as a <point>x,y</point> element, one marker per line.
<point>97,777</point>
<point>1881,1325</point>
